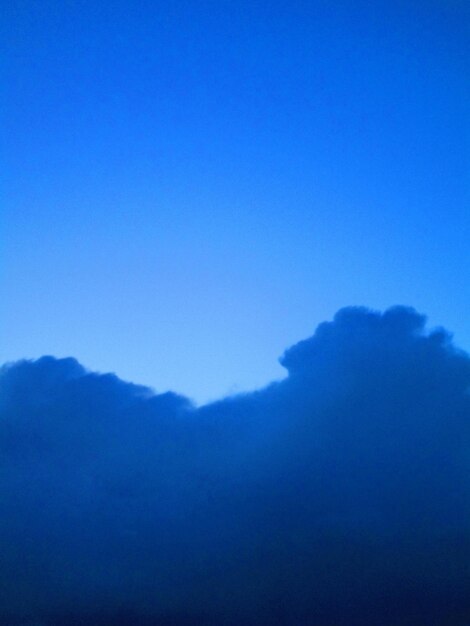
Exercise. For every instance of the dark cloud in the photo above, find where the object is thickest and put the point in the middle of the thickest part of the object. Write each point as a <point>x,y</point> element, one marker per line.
<point>338,496</point>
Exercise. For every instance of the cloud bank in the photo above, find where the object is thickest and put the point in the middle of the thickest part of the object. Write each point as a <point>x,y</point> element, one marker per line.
<point>337,496</point>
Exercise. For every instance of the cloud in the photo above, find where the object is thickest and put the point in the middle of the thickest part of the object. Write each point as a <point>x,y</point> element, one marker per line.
<point>337,496</point>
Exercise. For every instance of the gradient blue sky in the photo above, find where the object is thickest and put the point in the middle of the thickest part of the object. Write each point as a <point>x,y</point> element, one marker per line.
<point>192,186</point>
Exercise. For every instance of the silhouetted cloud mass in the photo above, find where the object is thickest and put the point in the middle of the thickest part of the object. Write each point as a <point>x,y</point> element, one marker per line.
<point>337,496</point>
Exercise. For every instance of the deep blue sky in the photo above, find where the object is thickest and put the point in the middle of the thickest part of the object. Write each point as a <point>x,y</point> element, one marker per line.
<point>192,186</point>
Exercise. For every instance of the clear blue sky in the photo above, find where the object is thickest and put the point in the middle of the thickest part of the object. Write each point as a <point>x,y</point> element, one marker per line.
<point>190,187</point>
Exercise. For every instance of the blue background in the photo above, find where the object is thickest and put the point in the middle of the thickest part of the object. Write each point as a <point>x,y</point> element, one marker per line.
<point>190,187</point>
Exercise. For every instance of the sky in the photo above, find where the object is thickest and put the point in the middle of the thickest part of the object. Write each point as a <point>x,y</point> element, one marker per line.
<point>190,187</point>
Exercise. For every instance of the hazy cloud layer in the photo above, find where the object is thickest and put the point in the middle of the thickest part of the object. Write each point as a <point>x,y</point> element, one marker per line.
<point>338,496</point>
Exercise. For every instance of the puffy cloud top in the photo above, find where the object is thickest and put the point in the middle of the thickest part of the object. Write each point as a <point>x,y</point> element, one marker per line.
<point>338,496</point>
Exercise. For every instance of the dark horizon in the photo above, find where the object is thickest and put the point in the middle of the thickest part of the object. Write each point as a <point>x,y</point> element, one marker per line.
<point>337,496</point>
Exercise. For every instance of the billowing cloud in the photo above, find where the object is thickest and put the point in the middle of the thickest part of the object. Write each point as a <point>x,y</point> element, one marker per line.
<point>337,496</point>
